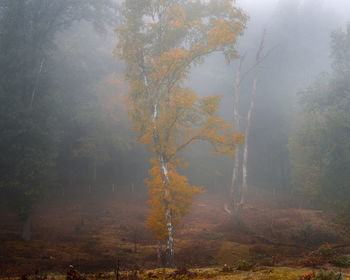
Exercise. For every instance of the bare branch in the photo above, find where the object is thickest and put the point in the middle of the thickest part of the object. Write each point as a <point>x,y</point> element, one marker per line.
<point>184,145</point>
<point>261,59</point>
<point>36,82</point>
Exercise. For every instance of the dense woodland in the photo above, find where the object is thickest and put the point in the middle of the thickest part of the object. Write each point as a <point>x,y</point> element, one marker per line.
<point>173,133</point>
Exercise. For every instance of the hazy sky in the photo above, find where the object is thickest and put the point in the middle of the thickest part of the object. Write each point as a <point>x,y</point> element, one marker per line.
<point>340,8</point>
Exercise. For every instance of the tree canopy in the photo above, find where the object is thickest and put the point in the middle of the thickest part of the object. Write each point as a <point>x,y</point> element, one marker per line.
<point>159,42</point>
<point>320,147</point>
<point>29,102</point>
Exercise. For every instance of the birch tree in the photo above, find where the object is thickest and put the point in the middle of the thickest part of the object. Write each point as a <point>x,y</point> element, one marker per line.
<point>238,191</point>
<point>159,41</point>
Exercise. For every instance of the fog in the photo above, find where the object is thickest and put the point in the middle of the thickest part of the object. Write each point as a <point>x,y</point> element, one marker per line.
<point>110,162</point>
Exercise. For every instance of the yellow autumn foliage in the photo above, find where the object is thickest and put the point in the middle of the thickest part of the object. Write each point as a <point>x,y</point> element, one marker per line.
<point>159,42</point>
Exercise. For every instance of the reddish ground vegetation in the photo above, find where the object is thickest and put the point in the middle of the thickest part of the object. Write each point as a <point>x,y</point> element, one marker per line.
<point>92,233</point>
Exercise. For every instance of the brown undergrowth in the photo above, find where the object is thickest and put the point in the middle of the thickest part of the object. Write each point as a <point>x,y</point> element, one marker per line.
<point>92,233</point>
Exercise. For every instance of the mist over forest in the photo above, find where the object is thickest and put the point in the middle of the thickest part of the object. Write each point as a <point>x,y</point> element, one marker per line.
<point>139,136</point>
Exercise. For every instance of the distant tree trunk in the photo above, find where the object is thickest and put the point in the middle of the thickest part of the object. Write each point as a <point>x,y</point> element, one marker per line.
<point>235,189</point>
<point>95,170</point>
<point>36,82</point>
<point>249,119</point>
<point>116,271</point>
<point>26,228</point>
<point>136,237</point>
<point>71,177</point>
<point>159,253</point>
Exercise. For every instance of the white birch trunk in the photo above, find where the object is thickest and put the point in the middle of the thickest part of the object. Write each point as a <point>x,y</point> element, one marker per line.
<point>95,170</point>
<point>234,190</point>
<point>36,82</point>
<point>169,250</point>
<point>169,253</point>
<point>249,119</point>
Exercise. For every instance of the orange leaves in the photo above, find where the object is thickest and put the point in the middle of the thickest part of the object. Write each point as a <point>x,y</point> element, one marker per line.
<point>169,65</point>
<point>183,100</point>
<point>228,5</point>
<point>308,276</point>
<point>195,22</point>
<point>146,138</point>
<point>159,43</point>
<point>209,105</point>
<point>177,17</point>
<point>179,199</point>
<point>223,33</point>
<point>214,129</point>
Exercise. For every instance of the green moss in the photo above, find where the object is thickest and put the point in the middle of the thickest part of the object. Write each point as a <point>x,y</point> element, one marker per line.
<point>341,261</point>
<point>327,275</point>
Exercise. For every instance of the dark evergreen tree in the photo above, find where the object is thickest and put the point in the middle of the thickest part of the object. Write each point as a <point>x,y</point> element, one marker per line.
<point>320,147</point>
<point>28,99</point>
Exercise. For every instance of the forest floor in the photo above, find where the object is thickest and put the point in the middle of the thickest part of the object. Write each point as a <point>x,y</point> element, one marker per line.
<point>94,232</point>
<point>258,273</point>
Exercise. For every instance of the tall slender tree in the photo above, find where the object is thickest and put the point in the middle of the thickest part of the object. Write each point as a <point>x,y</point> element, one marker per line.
<point>319,146</point>
<point>238,191</point>
<point>159,42</point>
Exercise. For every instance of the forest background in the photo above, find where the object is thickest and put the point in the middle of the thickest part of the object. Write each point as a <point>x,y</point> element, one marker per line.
<point>65,131</point>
